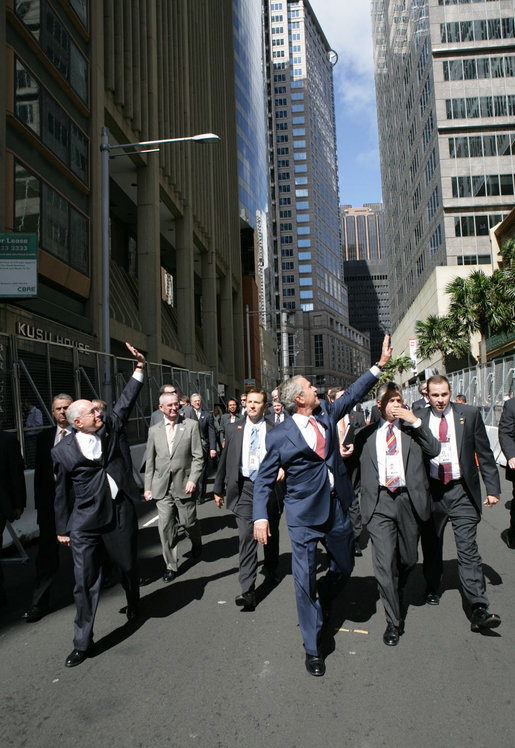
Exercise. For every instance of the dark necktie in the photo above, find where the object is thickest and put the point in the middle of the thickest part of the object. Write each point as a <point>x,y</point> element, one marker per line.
<point>320,445</point>
<point>392,481</point>
<point>444,468</point>
<point>278,418</point>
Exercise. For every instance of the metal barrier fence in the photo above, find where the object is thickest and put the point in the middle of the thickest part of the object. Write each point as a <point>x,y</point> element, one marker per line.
<point>486,387</point>
<point>32,372</point>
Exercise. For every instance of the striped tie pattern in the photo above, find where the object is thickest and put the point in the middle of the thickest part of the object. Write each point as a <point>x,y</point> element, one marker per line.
<point>444,468</point>
<point>392,481</point>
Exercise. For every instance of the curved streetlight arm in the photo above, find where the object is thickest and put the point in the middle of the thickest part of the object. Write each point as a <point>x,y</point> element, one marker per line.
<point>207,137</point>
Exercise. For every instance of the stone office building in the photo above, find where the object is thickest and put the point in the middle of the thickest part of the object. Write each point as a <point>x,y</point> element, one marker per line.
<point>147,71</point>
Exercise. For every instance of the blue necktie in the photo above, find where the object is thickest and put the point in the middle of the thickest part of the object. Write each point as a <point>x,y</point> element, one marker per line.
<point>254,451</point>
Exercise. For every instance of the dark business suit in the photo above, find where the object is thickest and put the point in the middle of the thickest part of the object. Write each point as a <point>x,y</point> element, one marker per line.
<point>47,561</point>
<point>206,426</point>
<point>507,442</point>
<point>375,414</point>
<point>225,420</point>
<point>314,511</point>
<point>239,493</point>
<point>420,405</point>
<point>86,511</point>
<point>356,419</point>
<point>393,519</point>
<point>12,487</point>
<point>460,502</point>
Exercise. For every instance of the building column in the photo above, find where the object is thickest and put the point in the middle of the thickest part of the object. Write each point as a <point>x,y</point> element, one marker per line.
<point>149,256</point>
<point>185,287</point>
<point>209,315</point>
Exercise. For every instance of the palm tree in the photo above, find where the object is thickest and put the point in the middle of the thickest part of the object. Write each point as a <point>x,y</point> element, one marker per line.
<point>394,365</point>
<point>440,335</point>
<point>483,304</point>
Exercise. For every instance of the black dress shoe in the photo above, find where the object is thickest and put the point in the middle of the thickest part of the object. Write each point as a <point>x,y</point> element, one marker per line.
<point>77,657</point>
<point>315,665</point>
<point>246,600</point>
<point>432,598</point>
<point>481,618</point>
<point>508,537</point>
<point>169,575</point>
<point>357,549</point>
<point>391,635</point>
<point>132,613</point>
<point>35,613</point>
<point>196,551</point>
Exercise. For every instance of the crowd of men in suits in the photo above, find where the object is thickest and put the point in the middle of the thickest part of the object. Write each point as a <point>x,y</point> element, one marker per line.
<point>412,469</point>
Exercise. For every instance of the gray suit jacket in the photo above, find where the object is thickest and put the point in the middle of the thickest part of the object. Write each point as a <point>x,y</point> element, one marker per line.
<point>417,445</point>
<point>184,464</point>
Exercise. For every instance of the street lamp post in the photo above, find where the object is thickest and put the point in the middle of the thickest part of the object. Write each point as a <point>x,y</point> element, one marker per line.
<point>107,151</point>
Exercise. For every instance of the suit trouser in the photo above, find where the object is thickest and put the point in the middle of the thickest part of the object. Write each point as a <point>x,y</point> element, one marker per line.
<point>512,508</point>
<point>3,522</point>
<point>453,503</point>
<point>337,536</point>
<point>248,546</point>
<point>202,481</point>
<point>170,510</point>
<point>355,517</point>
<point>47,560</point>
<point>119,538</point>
<point>394,529</point>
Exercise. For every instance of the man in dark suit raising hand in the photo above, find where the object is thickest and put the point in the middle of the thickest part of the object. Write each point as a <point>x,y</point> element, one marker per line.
<point>318,495</point>
<point>93,505</point>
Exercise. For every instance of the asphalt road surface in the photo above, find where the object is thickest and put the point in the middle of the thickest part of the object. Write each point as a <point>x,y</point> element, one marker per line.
<point>198,671</point>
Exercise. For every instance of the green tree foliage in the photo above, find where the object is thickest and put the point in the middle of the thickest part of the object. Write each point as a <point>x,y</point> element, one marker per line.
<point>441,335</point>
<point>483,304</point>
<point>397,364</point>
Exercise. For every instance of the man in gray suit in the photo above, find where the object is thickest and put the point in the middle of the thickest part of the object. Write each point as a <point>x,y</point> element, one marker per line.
<point>173,467</point>
<point>395,499</point>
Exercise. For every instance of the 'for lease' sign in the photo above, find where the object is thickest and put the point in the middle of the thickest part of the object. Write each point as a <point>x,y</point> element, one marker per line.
<point>18,265</point>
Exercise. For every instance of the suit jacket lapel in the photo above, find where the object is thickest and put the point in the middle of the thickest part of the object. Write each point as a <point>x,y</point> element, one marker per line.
<point>459,427</point>
<point>370,447</point>
<point>406,444</point>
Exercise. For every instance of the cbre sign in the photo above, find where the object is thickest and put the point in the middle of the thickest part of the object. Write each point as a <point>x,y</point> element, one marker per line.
<point>18,266</point>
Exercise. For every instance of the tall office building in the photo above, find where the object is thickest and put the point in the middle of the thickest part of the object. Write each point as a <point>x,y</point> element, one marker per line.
<point>147,71</point>
<point>445,83</point>
<point>366,272</point>
<point>316,337</point>
<point>260,341</point>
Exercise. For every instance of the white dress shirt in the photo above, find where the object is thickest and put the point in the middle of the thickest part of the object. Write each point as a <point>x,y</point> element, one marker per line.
<point>449,449</point>
<point>393,462</point>
<point>58,436</point>
<point>91,446</point>
<point>309,434</point>
<point>245,449</point>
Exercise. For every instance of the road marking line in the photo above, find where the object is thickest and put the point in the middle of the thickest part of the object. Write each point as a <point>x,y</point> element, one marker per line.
<point>354,631</point>
<point>151,521</point>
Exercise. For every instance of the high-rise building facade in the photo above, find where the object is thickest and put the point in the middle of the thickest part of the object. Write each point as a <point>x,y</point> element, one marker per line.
<point>310,289</point>
<point>147,71</point>
<point>366,271</point>
<point>260,340</point>
<point>445,84</point>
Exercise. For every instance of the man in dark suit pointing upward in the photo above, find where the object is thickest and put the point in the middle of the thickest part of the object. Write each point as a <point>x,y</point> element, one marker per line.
<point>317,498</point>
<point>93,505</point>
